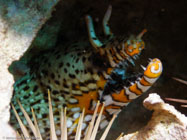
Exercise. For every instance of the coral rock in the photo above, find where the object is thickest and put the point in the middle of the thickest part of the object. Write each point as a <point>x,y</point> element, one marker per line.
<point>19,24</point>
<point>166,122</point>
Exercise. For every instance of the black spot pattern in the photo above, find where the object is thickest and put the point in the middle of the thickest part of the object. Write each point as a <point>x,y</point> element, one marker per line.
<point>61,65</point>
<point>76,61</point>
<point>35,88</point>
<point>55,92</point>
<point>52,75</point>
<point>77,71</point>
<point>26,88</point>
<point>72,76</point>
<point>65,70</point>
<point>68,64</point>
<point>83,59</point>
<point>57,82</point>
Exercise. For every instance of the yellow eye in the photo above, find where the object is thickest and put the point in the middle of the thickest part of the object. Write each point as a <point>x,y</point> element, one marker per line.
<point>130,50</point>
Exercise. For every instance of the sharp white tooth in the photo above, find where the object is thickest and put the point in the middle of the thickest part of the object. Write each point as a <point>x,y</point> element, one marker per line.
<point>132,83</point>
<point>125,88</point>
<point>126,64</point>
<point>144,68</point>
<point>131,61</point>
<point>150,59</point>
<point>134,57</point>
<point>139,78</point>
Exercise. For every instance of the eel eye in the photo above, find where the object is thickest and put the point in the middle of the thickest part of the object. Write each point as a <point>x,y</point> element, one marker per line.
<point>130,50</point>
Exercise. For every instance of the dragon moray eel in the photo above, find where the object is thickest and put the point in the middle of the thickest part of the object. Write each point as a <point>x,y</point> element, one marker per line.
<point>80,75</point>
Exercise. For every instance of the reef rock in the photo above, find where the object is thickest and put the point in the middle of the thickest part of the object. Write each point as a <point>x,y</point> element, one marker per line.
<point>166,122</point>
<point>19,24</point>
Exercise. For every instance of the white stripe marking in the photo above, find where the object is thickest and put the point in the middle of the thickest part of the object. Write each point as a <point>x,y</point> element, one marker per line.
<point>142,87</point>
<point>131,94</point>
<point>150,80</point>
<point>156,71</point>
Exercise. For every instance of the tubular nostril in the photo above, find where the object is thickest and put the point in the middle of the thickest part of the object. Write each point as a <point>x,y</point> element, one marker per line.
<point>141,34</point>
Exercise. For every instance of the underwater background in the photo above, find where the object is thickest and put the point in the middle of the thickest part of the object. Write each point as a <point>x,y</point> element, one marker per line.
<point>166,39</point>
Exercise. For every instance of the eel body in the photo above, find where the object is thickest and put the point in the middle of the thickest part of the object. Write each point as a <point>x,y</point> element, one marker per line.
<point>81,74</point>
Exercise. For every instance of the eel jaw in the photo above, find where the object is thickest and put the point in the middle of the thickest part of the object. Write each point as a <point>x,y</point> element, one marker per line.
<point>116,100</point>
<point>151,73</point>
<point>154,68</point>
<point>130,88</point>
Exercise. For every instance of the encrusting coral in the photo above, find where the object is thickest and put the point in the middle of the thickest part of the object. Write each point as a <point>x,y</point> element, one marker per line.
<point>19,24</point>
<point>166,122</point>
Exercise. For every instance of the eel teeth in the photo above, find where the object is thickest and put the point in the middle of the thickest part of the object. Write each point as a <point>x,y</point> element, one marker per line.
<point>139,79</point>
<point>134,57</point>
<point>126,64</point>
<point>131,83</point>
<point>144,68</point>
<point>125,88</point>
<point>131,61</point>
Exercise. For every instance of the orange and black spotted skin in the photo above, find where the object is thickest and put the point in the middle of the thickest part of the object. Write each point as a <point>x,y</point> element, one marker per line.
<point>80,75</point>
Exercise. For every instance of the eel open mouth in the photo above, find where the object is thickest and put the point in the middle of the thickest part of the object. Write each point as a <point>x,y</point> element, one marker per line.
<point>134,83</point>
<point>143,83</point>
